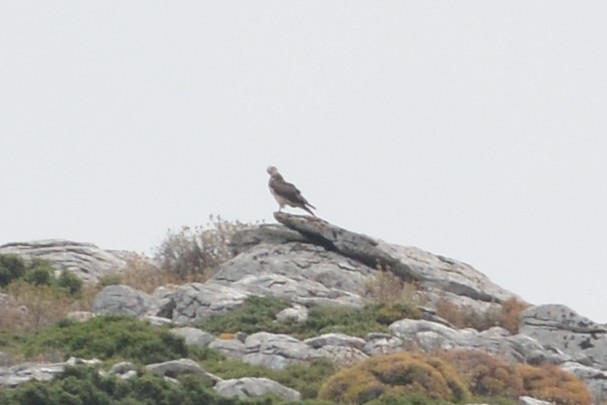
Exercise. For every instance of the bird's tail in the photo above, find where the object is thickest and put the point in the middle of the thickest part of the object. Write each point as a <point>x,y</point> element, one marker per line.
<point>305,207</point>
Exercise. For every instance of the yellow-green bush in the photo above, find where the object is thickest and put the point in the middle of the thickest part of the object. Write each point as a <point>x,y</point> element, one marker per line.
<point>553,384</point>
<point>484,374</point>
<point>395,374</point>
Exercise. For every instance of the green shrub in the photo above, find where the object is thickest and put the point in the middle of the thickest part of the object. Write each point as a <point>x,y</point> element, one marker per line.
<point>84,386</point>
<point>305,378</point>
<point>111,279</point>
<point>39,272</point>
<point>258,314</point>
<point>70,283</point>
<point>108,337</point>
<point>399,374</point>
<point>12,267</point>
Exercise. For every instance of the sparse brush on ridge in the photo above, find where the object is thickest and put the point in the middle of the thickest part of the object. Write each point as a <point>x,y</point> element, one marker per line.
<point>507,316</point>
<point>197,251</point>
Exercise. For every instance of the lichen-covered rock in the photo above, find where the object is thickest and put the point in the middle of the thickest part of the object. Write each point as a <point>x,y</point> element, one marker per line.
<point>335,339</point>
<point>194,336</point>
<point>195,301</point>
<point>174,368</point>
<point>297,313</point>
<point>232,348</point>
<point>121,300</point>
<point>430,336</point>
<point>561,328</point>
<point>297,289</point>
<point>85,260</point>
<point>25,372</point>
<point>275,351</point>
<point>300,272</point>
<point>382,343</point>
<point>248,387</point>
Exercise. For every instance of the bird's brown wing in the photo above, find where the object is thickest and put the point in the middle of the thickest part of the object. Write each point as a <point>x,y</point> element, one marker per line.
<point>288,191</point>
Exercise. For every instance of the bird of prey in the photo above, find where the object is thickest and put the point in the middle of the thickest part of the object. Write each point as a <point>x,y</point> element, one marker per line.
<point>286,193</point>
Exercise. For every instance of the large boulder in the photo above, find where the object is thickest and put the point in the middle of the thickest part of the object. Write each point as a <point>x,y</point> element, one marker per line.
<point>559,327</point>
<point>195,301</point>
<point>300,272</point>
<point>122,300</point>
<point>248,387</point>
<point>297,289</point>
<point>275,351</point>
<point>193,336</point>
<point>347,261</point>
<point>85,260</point>
<point>175,368</point>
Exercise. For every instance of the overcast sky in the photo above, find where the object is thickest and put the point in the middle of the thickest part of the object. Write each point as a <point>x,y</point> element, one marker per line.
<point>472,129</point>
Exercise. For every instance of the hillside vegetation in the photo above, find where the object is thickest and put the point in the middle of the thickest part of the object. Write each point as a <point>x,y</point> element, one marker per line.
<point>34,327</point>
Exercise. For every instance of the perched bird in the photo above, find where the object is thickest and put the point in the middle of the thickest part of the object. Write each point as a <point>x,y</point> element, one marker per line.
<point>286,193</point>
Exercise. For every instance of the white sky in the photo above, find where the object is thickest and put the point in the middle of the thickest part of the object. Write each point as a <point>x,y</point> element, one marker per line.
<point>472,129</point>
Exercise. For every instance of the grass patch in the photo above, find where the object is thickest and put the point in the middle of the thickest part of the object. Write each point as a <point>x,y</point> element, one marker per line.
<point>305,378</point>
<point>258,314</point>
<point>107,337</point>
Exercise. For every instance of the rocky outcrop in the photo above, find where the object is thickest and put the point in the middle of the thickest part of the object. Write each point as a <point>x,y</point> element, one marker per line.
<point>121,300</point>
<point>275,351</point>
<point>194,301</point>
<point>430,336</point>
<point>308,261</point>
<point>85,260</point>
<point>248,387</point>
<point>302,273</point>
<point>431,272</point>
<point>175,368</point>
<point>24,372</point>
<point>559,327</point>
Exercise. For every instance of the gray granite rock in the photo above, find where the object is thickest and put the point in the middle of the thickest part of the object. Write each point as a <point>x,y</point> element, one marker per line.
<point>232,348</point>
<point>300,272</point>
<point>193,336</point>
<point>174,368</point>
<point>382,343</point>
<point>272,234</point>
<point>595,379</point>
<point>195,301</point>
<point>248,387</point>
<point>21,373</point>
<point>411,264</point>
<point>121,300</point>
<point>430,336</point>
<point>532,401</point>
<point>560,328</point>
<point>296,289</point>
<point>85,260</point>
<point>297,313</point>
<point>275,351</point>
<point>335,339</point>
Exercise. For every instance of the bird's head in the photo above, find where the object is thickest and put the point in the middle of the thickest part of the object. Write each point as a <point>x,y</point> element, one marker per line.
<point>272,170</point>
